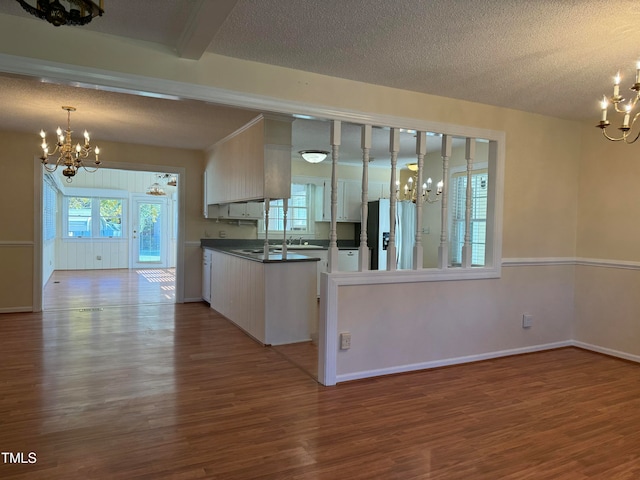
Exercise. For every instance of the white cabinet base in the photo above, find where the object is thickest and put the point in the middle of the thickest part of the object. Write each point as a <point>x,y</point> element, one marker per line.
<point>275,303</point>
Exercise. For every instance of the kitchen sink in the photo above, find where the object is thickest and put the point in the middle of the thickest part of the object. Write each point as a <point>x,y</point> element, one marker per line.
<point>254,250</point>
<point>303,247</point>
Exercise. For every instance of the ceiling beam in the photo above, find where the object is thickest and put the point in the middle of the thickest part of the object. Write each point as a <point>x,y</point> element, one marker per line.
<point>204,21</point>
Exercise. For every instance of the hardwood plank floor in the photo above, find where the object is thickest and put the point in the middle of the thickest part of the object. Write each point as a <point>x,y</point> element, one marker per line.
<point>177,392</point>
<point>68,289</point>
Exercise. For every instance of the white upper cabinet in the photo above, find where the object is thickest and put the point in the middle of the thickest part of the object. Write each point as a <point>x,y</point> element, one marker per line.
<point>251,164</point>
<point>349,202</point>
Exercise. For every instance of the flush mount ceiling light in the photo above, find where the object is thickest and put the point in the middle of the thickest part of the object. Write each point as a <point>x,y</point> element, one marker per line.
<point>313,156</point>
<point>79,12</point>
<point>70,156</point>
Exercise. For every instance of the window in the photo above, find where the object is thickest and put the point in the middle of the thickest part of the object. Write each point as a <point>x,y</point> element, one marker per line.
<point>93,217</point>
<point>49,209</point>
<point>479,181</point>
<point>299,218</point>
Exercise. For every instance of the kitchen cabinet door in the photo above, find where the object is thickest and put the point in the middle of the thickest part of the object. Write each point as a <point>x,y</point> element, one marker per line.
<point>206,275</point>
<point>348,260</point>
<point>349,201</point>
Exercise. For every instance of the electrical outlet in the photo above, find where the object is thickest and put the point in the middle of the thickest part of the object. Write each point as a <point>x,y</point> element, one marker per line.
<point>527,321</point>
<point>222,234</point>
<point>99,257</point>
<point>345,341</point>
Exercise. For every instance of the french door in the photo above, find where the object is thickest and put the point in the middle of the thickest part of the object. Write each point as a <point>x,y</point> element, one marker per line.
<point>149,235</point>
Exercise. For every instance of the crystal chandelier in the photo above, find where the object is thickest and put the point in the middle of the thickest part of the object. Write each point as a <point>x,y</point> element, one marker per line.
<point>70,156</point>
<point>80,12</point>
<point>411,187</point>
<point>617,102</point>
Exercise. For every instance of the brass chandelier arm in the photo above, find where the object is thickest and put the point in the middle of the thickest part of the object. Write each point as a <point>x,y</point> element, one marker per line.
<point>68,156</point>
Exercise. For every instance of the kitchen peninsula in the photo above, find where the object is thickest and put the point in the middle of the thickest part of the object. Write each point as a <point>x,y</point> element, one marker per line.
<point>271,297</point>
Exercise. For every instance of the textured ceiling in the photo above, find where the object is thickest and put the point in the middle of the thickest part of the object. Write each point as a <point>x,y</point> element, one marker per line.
<point>550,57</point>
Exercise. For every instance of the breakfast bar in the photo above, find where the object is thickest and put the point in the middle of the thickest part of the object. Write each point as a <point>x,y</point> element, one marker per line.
<point>271,297</point>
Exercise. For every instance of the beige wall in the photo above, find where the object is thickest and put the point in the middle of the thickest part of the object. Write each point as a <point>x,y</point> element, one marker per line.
<point>607,304</point>
<point>17,243</point>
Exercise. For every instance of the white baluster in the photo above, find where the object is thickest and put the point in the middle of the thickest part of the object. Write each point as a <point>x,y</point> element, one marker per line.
<point>470,153</point>
<point>333,235</point>
<point>394,148</point>
<point>363,254</point>
<point>266,226</point>
<point>421,150</point>
<point>285,211</point>
<point>443,250</point>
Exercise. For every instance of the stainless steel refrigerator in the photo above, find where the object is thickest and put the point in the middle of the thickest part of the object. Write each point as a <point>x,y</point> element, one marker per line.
<point>378,229</point>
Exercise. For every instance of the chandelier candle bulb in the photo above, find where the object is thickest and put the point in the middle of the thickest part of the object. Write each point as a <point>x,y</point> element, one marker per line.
<point>439,186</point>
<point>616,85</point>
<point>625,122</point>
<point>70,156</point>
<point>604,104</point>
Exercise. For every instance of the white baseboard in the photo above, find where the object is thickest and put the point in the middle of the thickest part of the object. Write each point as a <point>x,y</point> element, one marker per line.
<point>193,300</point>
<point>28,309</point>
<point>450,361</point>
<point>607,351</point>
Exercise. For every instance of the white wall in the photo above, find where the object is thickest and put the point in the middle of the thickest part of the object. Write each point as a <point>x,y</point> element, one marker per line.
<point>112,253</point>
<point>409,326</point>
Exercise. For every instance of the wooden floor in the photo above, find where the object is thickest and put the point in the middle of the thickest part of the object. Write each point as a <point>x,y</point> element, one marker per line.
<point>67,289</point>
<point>177,392</point>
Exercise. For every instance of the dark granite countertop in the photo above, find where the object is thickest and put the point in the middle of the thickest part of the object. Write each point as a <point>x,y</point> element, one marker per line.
<point>252,250</point>
<point>245,248</point>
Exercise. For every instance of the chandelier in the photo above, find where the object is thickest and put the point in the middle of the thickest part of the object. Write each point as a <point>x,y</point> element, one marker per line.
<point>617,101</point>
<point>69,156</point>
<point>168,179</point>
<point>411,187</point>
<point>155,189</point>
<point>80,12</point>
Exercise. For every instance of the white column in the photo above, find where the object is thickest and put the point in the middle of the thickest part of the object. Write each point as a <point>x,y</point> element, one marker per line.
<point>266,226</point>
<point>394,148</point>
<point>470,153</point>
<point>285,211</point>
<point>333,235</point>
<point>443,249</point>
<point>363,254</point>
<point>421,150</point>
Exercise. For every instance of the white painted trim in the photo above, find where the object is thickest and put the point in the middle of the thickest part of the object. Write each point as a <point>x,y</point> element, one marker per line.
<point>451,361</point>
<point>162,88</point>
<point>376,277</point>
<point>328,331</point>
<point>588,262</point>
<point>17,310</point>
<point>595,262</point>
<point>607,351</point>
<point>532,262</point>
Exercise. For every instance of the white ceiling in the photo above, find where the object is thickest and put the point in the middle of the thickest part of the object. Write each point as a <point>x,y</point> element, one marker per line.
<point>553,57</point>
